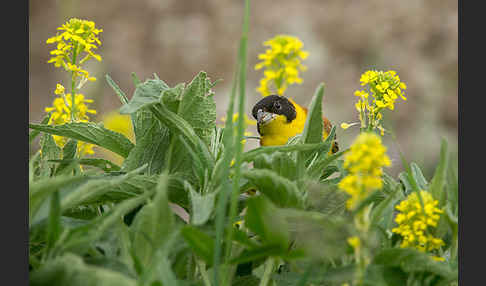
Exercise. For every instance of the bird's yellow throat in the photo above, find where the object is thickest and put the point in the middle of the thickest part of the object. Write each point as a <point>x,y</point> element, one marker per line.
<point>279,131</point>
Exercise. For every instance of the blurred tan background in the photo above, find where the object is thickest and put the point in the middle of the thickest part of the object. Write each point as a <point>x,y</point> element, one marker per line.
<point>178,38</point>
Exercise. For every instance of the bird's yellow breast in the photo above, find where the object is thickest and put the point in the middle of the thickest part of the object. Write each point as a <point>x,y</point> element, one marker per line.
<point>279,131</point>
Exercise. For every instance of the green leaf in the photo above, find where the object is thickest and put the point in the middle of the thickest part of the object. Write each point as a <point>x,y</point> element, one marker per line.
<point>68,153</point>
<point>258,253</point>
<point>201,243</point>
<point>313,124</point>
<point>152,144</point>
<point>279,190</point>
<point>54,224</point>
<point>280,163</point>
<point>202,205</point>
<point>152,224</point>
<point>439,179</point>
<point>103,164</point>
<point>121,95</point>
<point>198,108</point>
<point>179,125</point>
<point>80,238</point>
<point>411,260</point>
<point>418,176</point>
<point>91,191</point>
<point>40,190</point>
<point>71,270</point>
<point>252,154</point>
<point>91,133</point>
<point>145,94</point>
<point>33,134</point>
<point>318,235</point>
<point>263,218</point>
<point>316,170</point>
<point>49,151</point>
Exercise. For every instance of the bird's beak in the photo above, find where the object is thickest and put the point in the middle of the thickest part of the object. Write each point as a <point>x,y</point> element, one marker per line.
<point>264,117</point>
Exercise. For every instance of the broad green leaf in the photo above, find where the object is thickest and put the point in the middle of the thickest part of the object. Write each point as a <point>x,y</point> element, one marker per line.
<point>263,218</point>
<point>152,144</point>
<point>279,190</point>
<point>103,164</point>
<point>40,190</point>
<point>438,181</point>
<point>318,235</point>
<point>259,253</point>
<point>202,205</point>
<point>326,199</point>
<point>91,133</point>
<point>201,243</point>
<point>280,163</point>
<point>71,270</point>
<point>252,154</point>
<point>198,107</point>
<point>33,134</point>
<point>179,125</point>
<point>145,94</point>
<point>80,238</point>
<point>152,224</point>
<point>411,260</point>
<point>172,97</point>
<point>92,190</point>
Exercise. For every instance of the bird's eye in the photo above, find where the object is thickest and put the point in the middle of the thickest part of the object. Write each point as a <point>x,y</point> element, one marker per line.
<point>277,106</point>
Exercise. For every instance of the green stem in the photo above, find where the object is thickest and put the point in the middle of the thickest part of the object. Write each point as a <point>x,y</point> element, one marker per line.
<point>239,137</point>
<point>202,268</point>
<point>73,84</point>
<point>269,264</point>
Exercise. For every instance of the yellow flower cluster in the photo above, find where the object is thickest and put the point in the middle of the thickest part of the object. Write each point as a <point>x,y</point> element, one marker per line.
<point>364,162</point>
<point>384,87</point>
<point>415,222</point>
<point>61,113</point>
<point>282,63</point>
<point>78,36</point>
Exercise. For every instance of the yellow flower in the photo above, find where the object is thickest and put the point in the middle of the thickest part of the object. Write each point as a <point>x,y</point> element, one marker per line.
<point>78,36</point>
<point>416,223</point>
<point>355,242</point>
<point>384,88</point>
<point>61,114</point>
<point>59,89</point>
<point>282,63</point>
<point>345,125</point>
<point>364,162</point>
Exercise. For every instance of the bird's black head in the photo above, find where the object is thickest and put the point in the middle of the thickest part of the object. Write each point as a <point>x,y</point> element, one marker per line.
<point>277,105</point>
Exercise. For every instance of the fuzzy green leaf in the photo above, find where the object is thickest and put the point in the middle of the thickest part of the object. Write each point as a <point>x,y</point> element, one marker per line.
<point>263,218</point>
<point>201,243</point>
<point>153,224</point>
<point>91,133</point>
<point>279,190</point>
<point>71,270</point>
<point>145,94</point>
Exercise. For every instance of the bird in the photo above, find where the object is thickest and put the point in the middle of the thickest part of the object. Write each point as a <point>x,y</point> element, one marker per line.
<point>280,118</point>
